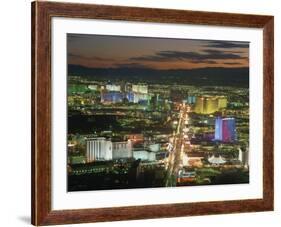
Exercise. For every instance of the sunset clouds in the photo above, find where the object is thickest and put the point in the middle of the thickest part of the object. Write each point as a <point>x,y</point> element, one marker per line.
<point>97,51</point>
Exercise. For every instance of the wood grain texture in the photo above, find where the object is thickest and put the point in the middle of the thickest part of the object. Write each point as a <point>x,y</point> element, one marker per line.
<point>42,12</point>
<point>268,113</point>
<point>41,115</point>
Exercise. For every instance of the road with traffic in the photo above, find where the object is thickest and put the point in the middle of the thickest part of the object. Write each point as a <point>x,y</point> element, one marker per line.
<point>175,158</point>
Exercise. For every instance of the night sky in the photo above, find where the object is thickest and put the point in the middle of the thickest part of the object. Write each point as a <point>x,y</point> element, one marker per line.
<point>101,51</point>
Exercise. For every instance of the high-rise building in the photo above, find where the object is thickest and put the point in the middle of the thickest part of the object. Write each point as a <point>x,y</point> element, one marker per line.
<point>101,149</point>
<point>218,129</point>
<point>225,129</point>
<point>209,104</point>
<point>199,105</point>
<point>206,105</point>
<point>98,149</point>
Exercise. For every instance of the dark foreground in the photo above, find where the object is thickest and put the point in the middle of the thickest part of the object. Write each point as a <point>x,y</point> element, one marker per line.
<point>134,175</point>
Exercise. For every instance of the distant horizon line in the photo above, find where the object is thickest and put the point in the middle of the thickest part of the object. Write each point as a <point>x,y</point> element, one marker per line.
<point>150,68</point>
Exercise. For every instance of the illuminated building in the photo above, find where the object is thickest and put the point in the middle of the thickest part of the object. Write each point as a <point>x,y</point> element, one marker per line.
<point>140,88</point>
<point>206,105</point>
<point>135,138</point>
<point>111,97</point>
<point>98,149</point>
<point>93,87</point>
<point>222,102</point>
<point>140,97</point>
<point>154,147</point>
<point>225,129</point>
<point>113,87</point>
<point>192,159</point>
<point>243,157</point>
<point>117,97</point>
<point>130,96</point>
<point>216,160</point>
<point>101,149</point>
<point>191,99</point>
<point>144,155</point>
<point>186,176</point>
<point>199,105</point>
<point>209,104</point>
<point>121,150</point>
<point>128,87</point>
<point>137,93</point>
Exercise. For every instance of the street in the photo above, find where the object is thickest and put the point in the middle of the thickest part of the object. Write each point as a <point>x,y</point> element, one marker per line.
<point>175,158</point>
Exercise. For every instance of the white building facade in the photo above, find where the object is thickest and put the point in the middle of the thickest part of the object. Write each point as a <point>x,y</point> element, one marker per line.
<point>98,149</point>
<point>101,149</point>
<point>122,150</point>
<point>144,155</point>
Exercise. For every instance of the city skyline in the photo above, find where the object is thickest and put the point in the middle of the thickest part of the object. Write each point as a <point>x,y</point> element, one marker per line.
<point>156,112</point>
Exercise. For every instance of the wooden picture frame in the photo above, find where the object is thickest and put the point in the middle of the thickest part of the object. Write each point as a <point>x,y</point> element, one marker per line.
<point>42,13</point>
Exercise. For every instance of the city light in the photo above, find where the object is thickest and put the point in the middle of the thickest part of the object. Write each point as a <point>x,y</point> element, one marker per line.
<point>141,124</point>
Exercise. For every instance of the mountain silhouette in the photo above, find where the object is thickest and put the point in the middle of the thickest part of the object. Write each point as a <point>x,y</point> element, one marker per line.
<point>217,76</point>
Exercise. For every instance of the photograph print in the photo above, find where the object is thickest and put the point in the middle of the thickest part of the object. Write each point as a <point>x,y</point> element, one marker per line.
<point>146,112</point>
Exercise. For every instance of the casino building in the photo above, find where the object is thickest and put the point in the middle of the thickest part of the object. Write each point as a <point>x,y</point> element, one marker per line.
<point>225,129</point>
<point>209,104</point>
<point>113,94</point>
<point>102,149</point>
<point>98,149</point>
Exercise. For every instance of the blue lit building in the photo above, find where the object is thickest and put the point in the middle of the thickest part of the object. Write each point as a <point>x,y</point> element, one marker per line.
<point>191,99</point>
<point>218,129</point>
<point>130,96</point>
<point>112,97</point>
<point>117,97</point>
<point>225,129</point>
